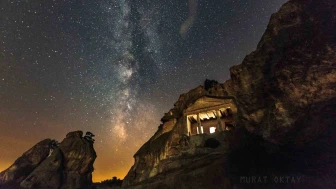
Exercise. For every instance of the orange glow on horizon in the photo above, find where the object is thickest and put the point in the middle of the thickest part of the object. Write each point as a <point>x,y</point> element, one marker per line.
<point>4,165</point>
<point>113,158</point>
<point>98,177</point>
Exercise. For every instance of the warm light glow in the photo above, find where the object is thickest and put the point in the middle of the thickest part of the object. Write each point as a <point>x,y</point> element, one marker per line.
<point>5,165</point>
<point>201,130</point>
<point>212,129</point>
<point>98,177</point>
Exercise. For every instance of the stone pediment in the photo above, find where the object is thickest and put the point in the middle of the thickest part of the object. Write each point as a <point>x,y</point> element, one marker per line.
<point>206,103</point>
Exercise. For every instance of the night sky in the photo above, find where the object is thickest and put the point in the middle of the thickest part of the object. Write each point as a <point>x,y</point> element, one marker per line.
<point>112,67</point>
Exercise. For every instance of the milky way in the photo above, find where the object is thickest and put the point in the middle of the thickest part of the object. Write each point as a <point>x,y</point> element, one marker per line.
<point>113,67</point>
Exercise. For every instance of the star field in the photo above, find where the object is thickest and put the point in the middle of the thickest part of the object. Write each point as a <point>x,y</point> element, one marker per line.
<point>112,67</point>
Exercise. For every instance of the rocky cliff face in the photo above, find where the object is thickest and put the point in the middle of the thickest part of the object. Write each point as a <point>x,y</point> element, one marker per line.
<point>69,166</point>
<point>285,93</point>
<point>284,86</point>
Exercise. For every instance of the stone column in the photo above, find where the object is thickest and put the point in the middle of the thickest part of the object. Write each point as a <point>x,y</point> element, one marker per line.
<point>199,124</point>
<point>188,127</point>
<point>220,124</point>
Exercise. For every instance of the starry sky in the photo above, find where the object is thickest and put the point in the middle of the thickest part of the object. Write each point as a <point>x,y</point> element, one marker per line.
<point>113,67</point>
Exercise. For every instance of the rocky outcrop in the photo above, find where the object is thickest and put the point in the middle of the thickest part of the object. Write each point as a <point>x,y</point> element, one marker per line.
<point>69,166</point>
<point>169,141</point>
<point>26,163</point>
<point>285,93</point>
<point>286,88</point>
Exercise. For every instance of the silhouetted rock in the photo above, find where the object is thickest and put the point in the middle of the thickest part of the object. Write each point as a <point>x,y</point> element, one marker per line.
<point>285,99</point>
<point>69,166</point>
<point>48,175</point>
<point>208,84</point>
<point>25,164</point>
<point>286,88</point>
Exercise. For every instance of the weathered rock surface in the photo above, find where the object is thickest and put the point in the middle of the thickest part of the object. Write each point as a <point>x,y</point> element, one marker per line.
<point>286,88</point>
<point>69,166</point>
<point>26,163</point>
<point>285,93</point>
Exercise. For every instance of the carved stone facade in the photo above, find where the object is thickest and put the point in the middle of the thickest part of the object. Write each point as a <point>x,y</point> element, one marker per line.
<point>209,115</point>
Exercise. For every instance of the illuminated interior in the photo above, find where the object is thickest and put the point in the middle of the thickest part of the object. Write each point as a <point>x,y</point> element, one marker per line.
<point>210,121</point>
<point>212,130</point>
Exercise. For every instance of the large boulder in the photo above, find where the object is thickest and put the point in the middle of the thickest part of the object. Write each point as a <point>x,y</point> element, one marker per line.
<point>25,164</point>
<point>79,156</point>
<point>48,175</point>
<point>69,166</point>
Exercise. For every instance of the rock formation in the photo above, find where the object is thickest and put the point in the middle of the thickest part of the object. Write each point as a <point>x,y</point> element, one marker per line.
<point>285,95</point>
<point>69,166</point>
<point>290,78</point>
<point>26,163</point>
